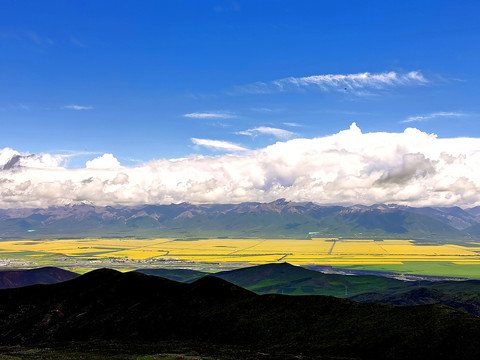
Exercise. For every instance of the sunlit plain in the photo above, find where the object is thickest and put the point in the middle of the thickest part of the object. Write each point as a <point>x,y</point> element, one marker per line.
<point>317,251</point>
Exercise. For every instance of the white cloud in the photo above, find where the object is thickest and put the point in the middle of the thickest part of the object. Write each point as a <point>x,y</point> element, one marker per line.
<point>106,161</point>
<point>432,116</point>
<point>78,107</point>
<point>13,160</point>
<point>357,83</point>
<point>218,145</point>
<point>411,168</point>
<point>210,115</point>
<point>279,133</point>
<point>6,154</point>
<point>46,161</point>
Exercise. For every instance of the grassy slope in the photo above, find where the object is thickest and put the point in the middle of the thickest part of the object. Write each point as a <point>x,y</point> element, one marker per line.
<point>182,275</point>
<point>288,279</point>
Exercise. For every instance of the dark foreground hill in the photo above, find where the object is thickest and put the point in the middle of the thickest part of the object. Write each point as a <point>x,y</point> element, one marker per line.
<point>462,295</point>
<point>45,275</point>
<point>137,309</point>
<point>284,278</point>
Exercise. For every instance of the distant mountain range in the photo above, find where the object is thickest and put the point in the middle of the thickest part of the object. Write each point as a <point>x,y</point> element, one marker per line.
<point>212,315</point>
<point>277,219</point>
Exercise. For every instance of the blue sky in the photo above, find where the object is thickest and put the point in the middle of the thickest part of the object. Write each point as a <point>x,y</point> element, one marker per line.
<point>133,69</point>
<point>130,85</point>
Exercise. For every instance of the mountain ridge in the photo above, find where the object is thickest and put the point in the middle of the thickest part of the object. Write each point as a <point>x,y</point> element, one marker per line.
<point>278,218</point>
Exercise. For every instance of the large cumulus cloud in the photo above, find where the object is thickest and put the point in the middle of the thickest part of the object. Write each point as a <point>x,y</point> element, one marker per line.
<point>411,168</point>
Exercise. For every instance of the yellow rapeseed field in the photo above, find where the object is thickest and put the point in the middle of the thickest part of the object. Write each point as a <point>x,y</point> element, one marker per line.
<point>255,251</point>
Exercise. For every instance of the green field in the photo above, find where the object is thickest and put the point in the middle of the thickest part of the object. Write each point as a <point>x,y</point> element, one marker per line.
<point>434,268</point>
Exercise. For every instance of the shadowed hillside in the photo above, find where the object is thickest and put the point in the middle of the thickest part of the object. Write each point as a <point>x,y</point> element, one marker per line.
<point>140,309</point>
<point>462,295</point>
<point>45,275</point>
<point>284,278</point>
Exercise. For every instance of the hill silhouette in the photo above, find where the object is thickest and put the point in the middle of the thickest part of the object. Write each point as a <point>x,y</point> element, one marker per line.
<point>462,295</point>
<point>140,309</point>
<point>44,275</point>
<point>284,278</point>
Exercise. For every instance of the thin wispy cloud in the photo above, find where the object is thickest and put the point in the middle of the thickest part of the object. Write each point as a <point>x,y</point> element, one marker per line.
<point>292,124</point>
<point>266,110</point>
<point>431,116</point>
<point>77,107</point>
<point>27,36</point>
<point>77,42</point>
<point>74,153</point>
<point>24,107</point>
<point>69,154</point>
<point>265,130</point>
<point>39,40</point>
<point>227,6</point>
<point>218,145</point>
<point>358,83</point>
<point>210,115</point>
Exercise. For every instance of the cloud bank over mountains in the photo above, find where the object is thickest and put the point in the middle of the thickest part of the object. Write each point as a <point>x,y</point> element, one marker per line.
<point>411,168</point>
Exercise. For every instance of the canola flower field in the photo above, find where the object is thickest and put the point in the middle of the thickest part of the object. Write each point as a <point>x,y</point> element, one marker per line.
<point>83,254</point>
